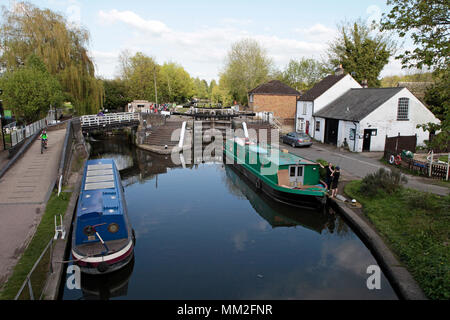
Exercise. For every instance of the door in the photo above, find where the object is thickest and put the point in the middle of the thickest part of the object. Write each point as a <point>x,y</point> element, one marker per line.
<point>307,127</point>
<point>331,131</point>
<point>367,138</point>
<point>296,176</point>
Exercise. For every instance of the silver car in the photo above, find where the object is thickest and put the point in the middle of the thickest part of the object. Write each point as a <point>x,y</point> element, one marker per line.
<point>297,139</point>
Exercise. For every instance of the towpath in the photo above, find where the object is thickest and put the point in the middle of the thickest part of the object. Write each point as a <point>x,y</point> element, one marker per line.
<point>357,166</point>
<point>24,192</point>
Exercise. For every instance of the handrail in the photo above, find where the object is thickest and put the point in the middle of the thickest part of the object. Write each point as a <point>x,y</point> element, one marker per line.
<point>28,278</point>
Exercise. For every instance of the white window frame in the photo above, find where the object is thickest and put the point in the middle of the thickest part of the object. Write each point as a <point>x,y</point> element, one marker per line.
<point>305,108</point>
<point>403,109</point>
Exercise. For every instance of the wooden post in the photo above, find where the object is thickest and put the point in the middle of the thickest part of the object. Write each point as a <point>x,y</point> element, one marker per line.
<point>431,163</point>
<point>448,166</point>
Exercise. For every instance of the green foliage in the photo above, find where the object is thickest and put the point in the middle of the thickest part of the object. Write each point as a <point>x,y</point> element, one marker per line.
<point>361,52</point>
<point>303,74</point>
<point>416,226</point>
<point>323,171</point>
<point>246,66</point>
<point>383,180</point>
<point>115,95</point>
<point>392,81</point>
<point>63,50</point>
<point>30,90</point>
<point>175,83</point>
<point>428,24</point>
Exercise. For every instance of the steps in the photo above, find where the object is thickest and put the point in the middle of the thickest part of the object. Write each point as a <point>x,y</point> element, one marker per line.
<point>161,135</point>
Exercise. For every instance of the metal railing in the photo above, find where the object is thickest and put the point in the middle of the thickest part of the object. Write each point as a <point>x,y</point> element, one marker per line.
<point>108,119</point>
<point>17,135</point>
<point>36,282</point>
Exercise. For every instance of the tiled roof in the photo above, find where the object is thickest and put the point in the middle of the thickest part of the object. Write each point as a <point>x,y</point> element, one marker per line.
<point>275,87</point>
<point>356,104</point>
<point>321,87</point>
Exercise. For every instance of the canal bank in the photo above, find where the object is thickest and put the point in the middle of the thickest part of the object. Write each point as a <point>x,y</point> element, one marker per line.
<point>398,275</point>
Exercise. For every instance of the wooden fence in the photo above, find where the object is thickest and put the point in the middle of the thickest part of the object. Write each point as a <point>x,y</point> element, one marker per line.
<point>394,147</point>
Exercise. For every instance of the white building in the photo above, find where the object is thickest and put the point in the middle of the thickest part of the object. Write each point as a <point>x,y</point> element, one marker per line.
<point>362,118</point>
<point>327,90</point>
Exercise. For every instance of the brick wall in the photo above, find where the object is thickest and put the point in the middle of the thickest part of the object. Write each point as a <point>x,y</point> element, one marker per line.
<point>281,106</point>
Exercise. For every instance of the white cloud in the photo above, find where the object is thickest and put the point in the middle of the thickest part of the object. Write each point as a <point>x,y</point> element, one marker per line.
<point>128,17</point>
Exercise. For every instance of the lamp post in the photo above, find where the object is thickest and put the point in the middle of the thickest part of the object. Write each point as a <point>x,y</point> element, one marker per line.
<point>1,120</point>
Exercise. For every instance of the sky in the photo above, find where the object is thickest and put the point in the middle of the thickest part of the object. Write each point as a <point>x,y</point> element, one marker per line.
<point>198,34</point>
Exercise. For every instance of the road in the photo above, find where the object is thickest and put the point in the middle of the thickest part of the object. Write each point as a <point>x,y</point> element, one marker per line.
<point>358,165</point>
<point>24,191</point>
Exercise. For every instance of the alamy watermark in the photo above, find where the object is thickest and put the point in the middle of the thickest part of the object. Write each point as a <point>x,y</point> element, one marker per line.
<point>374,280</point>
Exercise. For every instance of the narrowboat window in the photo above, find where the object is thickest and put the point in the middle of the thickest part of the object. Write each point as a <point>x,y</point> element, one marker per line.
<point>299,171</point>
<point>292,171</point>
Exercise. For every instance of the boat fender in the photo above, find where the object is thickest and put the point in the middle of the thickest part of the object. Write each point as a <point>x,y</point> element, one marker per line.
<point>102,267</point>
<point>133,235</point>
<point>392,159</point>
<point>258,184</point>
<point>398,160</point>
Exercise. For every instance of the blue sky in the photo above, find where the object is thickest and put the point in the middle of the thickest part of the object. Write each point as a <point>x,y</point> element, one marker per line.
<point>198,34</point>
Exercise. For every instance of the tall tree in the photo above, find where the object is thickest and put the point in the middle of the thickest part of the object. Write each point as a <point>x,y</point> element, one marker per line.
<point>115,95</point>
<point>27,30</point>
<point>30,90</point>
<point>362,51</point>
<point>428,25</point>
<point>176,84</point>
<point>247,65</point>
<point>140,74</point>
<point>304,73</point>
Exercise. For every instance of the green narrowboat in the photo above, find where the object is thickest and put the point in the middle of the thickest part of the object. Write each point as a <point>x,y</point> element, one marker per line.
<point>283,176</point>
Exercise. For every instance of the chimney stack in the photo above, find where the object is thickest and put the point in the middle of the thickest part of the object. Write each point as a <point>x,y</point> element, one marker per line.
<point>339,71</point>
<point>364,83</point>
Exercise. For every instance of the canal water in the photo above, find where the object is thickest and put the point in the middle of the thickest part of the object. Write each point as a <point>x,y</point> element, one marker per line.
<point>204,233</point>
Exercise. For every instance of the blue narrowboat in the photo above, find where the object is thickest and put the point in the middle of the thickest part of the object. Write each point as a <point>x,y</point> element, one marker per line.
<point>103,240</point>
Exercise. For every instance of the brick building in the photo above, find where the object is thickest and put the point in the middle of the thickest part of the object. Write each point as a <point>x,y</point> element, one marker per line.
<point>277,97</point>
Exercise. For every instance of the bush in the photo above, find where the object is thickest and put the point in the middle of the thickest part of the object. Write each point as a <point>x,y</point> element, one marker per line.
<point>382,180</point>
<point>323,172</point>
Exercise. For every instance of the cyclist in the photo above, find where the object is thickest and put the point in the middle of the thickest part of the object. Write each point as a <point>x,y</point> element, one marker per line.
<point>44,137</point>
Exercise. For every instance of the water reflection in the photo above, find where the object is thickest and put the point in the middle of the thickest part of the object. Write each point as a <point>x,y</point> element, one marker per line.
<point>203,232</point>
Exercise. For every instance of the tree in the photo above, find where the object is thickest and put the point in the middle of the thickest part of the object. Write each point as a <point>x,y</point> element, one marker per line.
<point>303,74</point>
<point>29,90</point>
<point>361,51</point>
<point>139,73</point>
<point>201,89</point>
<point>176,84</point>
<point>428,24</point>
<point>246,66</point>
<point>115,95</point>
<point>27,29</point>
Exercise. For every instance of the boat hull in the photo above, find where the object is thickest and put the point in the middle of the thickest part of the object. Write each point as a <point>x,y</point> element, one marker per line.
<point>293,199</point>
<point>105,264</point>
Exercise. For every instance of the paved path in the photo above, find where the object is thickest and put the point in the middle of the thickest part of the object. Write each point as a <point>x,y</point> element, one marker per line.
<point>24,191</point>
<point>358,165</point>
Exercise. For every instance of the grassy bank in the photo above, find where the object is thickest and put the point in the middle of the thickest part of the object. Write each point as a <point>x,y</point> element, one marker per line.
<point>45,231</point>
<point>416,226</point>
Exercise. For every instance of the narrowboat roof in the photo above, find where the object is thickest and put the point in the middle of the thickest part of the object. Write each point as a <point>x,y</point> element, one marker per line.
<point>283,158</point>
<point>100,194</point>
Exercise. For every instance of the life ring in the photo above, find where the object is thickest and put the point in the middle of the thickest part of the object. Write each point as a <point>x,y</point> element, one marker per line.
<point>398,160</point>
<point>392,159</point>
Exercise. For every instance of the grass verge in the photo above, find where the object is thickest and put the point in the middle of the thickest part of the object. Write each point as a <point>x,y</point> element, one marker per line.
<point>45,231</point>
<point>416,226</point>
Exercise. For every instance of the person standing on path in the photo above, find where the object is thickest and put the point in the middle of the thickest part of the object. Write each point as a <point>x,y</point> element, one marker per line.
<point>329,174</point>
<point>334,184</point>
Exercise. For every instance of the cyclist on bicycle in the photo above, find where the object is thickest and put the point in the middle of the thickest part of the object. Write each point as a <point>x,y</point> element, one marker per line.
<point>44,137</point>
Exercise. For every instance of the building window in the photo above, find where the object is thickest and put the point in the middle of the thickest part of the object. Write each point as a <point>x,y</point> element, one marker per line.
<point>304,108</point>
<point>403,109</point>
<point>251,98</point>
<point>317,125</point>
<point>301,125</point>
<point>352,134</point>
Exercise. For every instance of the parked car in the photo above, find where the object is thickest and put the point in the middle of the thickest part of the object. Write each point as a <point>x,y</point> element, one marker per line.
<point>297,139</point>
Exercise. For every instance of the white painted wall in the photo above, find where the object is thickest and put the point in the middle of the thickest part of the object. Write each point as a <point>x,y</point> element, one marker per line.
<point>384,119</point>
<point>337,90</point>
<point>303,106</point>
